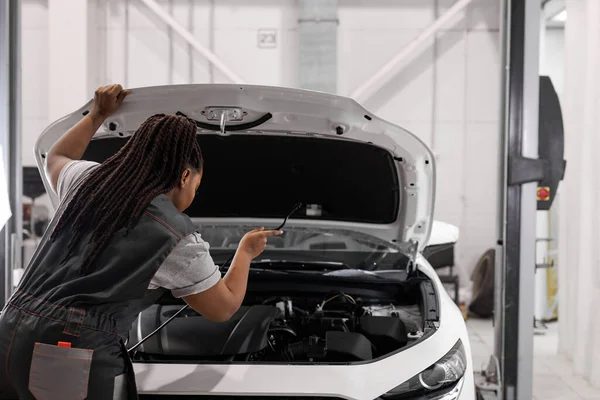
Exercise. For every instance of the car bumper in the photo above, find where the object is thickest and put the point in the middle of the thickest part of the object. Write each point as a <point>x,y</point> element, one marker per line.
<point>358,381</point>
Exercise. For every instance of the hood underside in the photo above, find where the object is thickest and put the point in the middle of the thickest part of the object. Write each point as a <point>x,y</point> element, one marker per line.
<point>264,176</point>
<point>282,146</point>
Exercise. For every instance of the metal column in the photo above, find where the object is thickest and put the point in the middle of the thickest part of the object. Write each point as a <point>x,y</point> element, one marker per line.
<point>514,310</point>
<point>10,139</point>
<point>510,373</point>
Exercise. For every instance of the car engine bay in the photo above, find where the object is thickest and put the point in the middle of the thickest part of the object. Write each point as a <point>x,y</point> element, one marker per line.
<point>336,328</point>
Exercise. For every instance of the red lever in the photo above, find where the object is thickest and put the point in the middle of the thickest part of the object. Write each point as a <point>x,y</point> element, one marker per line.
<point>64,344</point>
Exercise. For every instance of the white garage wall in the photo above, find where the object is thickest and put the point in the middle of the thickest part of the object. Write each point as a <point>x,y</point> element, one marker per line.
<point>143,51</point>
<point>448,95</point>
<point>553,58</point>
<point>35,95</point>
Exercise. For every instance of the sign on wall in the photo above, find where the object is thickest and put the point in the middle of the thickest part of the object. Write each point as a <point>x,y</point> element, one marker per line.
<point>267,38</point>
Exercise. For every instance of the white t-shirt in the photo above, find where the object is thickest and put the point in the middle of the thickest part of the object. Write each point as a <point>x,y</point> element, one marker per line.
<point>189,268</point>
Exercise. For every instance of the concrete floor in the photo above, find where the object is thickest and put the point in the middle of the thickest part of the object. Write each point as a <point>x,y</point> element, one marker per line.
<point>552,373</point>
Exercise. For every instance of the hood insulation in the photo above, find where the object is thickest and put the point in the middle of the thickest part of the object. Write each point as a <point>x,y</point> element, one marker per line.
<point>252,176</point>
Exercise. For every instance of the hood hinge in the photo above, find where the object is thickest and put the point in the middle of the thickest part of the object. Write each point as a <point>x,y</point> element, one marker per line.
<point>412,253</point>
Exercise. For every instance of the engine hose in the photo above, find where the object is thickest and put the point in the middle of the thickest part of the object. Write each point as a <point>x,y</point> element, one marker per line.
<point>284,329</point>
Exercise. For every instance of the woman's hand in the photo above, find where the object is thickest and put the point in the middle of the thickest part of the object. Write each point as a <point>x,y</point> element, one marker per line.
<point>254,242</point>
<point>72,145</point>
<point>222,300</point>
<point>108,99</point>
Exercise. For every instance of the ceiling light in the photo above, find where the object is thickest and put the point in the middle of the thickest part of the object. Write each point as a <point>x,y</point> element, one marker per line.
<point>561,16</point>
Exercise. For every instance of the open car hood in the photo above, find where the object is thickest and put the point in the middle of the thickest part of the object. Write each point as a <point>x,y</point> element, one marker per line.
<point>282,146</point>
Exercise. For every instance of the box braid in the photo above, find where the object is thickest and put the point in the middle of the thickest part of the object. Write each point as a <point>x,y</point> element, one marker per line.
<point>117,192</point>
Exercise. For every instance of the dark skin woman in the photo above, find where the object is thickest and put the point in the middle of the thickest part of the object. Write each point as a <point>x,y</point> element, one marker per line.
<point>118,241</point>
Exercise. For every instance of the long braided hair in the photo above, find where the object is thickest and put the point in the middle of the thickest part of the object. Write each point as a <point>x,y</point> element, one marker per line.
<point>117,192</point>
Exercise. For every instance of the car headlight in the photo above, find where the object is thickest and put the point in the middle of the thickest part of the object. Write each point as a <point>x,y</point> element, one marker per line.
<point>442,380</point>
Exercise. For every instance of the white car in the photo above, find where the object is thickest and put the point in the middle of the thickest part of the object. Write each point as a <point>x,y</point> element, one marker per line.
<point>440,246</point>
<point>344,304</point>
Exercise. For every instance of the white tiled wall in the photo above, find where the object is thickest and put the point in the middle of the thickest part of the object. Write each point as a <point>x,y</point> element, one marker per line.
<point>449,97</point>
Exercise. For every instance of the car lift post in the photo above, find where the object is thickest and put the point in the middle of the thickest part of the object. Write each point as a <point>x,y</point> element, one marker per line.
<point>509,375</point>
<point>10,141</point>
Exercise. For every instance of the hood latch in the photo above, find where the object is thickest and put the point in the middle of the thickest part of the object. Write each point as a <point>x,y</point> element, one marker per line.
<point>223,115</point>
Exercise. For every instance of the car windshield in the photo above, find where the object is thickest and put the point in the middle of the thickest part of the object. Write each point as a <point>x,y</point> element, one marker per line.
<point>312,248</point>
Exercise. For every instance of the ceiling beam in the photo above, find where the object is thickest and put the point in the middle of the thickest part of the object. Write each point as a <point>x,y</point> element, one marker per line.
<point>380,78</point>
<point>191,40</point>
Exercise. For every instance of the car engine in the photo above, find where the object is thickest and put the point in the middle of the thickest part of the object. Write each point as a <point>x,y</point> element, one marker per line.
<point>338,328</point>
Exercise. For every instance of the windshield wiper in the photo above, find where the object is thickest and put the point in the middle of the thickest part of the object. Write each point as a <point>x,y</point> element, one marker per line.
<point>270,270</point>
<point>291,265</point>
<point>309,265</point>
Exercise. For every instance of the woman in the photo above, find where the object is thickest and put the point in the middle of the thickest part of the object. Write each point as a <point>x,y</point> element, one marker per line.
<point>118,241</point>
